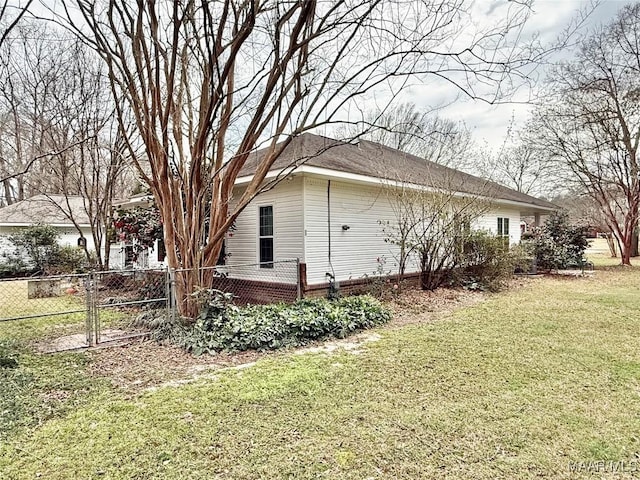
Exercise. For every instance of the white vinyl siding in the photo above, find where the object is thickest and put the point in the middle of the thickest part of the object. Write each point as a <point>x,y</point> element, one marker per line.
<point>489,222</point>
<point>286,198</point>
<point>356,252</point>
<point>315,230</point>
<point>301,229</point>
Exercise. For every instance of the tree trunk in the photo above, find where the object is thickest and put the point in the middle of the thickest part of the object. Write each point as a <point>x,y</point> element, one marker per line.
<point>188,283</point>
<point>625,253</point>
<point>611,243</point>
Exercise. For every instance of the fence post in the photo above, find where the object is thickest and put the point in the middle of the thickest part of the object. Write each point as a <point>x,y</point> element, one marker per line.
<point>88,289</point>
<point>96,311</point>
<point>170,294</point>
<point>167,292</point>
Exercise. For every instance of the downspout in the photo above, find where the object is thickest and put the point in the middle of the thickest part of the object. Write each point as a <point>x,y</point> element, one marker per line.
<point>329,222</point>
<point>333,286</point>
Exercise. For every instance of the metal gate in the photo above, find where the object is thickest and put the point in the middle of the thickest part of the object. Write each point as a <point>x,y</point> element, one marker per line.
<point>95,308</point>
<point>121,304</point>
<point>76,311</point>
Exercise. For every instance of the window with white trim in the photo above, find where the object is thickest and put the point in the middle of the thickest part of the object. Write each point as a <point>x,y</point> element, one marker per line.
<point>503,227</point>
<point>265,237</point>
<point>503,231</point>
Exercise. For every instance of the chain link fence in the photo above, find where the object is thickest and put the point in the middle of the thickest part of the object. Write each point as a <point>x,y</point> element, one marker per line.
<point>55,305</point>
<point>100,307</point>
<point>119,298</point>
<point>255,283</point>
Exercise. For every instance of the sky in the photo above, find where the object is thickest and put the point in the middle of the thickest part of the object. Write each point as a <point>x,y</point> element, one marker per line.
<point>490,123</point>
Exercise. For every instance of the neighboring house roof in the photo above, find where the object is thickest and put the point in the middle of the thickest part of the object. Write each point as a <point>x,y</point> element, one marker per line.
<point>137,200</point>
<point>45,209</point>
<point>378,161</point>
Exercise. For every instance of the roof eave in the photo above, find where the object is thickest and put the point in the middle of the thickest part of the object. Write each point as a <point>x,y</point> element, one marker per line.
<point>31,224</point>
<point>529,208</point>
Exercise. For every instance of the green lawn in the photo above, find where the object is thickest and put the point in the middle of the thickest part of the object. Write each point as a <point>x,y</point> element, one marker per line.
<point>49,317</point>
<point>14,302</point>
<point>518,386</point>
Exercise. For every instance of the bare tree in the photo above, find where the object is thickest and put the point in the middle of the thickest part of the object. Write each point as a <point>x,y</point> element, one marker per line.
<point>420,133</point>
<point>591,122</point>
<point>11,12</point>
<point>519,163</point>
<point>92,159</point>
<point>32,64</point>
<point>209,82</point>
<point>60,135</point>
<point>520,168</point>
<point>430,228</point>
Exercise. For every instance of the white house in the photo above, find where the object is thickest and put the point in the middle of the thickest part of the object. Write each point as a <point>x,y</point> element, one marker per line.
<point>122,252</point>
<point>329,209</point>
<point>328,212</point>
<point>47,210</point>
<point>53,210</point>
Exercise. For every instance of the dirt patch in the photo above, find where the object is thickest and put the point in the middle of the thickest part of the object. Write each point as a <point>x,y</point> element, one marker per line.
<point>418,306</point>
<point>78,341</point>
<point>352,344</point>
<point>144,363</point>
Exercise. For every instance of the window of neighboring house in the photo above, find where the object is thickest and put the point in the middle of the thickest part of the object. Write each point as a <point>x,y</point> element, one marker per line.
<point>265,240</point>
<point>142,259</point>
<point>82,242</point>
<point>162,250</point>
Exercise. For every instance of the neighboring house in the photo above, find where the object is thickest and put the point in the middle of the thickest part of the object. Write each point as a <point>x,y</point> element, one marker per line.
<point>327,212</point>
<point>122,254</point>
<point>43,209</point>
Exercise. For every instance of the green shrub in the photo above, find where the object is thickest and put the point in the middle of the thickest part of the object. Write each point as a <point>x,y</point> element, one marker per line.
<point>222,326</point>
<point>36,250</point>
<point>13,266</point>
<point>558,244</point>
<point>487,262</point>
<point>67,259</point>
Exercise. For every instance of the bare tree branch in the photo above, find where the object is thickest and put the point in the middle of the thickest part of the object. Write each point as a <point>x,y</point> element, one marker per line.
<point>34,159</point>
<point>5,8</point>
<point>591,123</point>
<point>208,83</point>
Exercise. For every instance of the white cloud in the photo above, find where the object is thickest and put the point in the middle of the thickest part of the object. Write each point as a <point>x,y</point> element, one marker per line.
<point>489,123</point>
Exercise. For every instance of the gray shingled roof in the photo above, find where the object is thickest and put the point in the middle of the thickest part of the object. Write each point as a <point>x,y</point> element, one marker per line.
<point>375,160</point>
<point>44,209</point>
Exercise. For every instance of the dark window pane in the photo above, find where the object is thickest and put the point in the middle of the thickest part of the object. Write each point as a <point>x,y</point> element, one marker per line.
<point>266,252</point>
<point>266,221</point>
<point>505,227</point>
<point>162,251</point>
<point>499,226</point>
